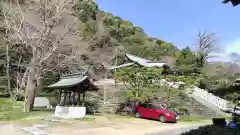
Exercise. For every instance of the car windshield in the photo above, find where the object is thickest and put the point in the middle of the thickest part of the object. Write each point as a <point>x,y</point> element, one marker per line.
<point>157,107</point>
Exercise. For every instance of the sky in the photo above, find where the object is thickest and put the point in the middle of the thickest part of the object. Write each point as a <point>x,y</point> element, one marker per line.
<point>179,22</point>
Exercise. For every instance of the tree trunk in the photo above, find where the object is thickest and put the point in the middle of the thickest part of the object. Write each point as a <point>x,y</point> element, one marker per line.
<point>33,98</point>
<point>30,92</point>
<point>37,89</point>
<point>8,72</point>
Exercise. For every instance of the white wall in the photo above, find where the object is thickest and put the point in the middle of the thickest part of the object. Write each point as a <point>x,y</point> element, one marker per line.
<point>217,101</point>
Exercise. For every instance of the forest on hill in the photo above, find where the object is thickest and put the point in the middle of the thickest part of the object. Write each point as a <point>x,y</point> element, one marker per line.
<point>100,40</point>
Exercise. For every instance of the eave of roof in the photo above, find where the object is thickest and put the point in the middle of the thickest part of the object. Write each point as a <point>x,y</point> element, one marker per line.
<point>237,80</point>
<point>123,65</point>
<point>140,61</point>
<point>67,82</point>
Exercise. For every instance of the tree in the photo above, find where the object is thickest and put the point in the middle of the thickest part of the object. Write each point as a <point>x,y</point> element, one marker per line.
<point>234,2</point>
<point>108,37</point>
<point>186,61</point>
<point>145,85</point>
<point>138,82</point>
<point>37,26</point>
<point>206,45</point>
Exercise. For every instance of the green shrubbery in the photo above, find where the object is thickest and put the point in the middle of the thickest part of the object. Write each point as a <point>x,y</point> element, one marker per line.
<point>212,130</point>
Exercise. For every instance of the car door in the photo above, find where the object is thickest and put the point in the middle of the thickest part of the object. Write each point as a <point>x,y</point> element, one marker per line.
<point>149,111</point>
<point>144,111</point>
<point>152,113</point>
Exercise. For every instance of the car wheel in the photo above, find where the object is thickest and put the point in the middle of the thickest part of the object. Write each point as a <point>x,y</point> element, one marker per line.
<point>162,119</point>
<point>137,115</point>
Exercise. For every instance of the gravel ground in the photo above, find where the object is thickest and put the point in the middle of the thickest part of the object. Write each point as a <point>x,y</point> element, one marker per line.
<point>176,131</point>
<point>134,127</point>
<point>12,130</point>
<point>9,129</point>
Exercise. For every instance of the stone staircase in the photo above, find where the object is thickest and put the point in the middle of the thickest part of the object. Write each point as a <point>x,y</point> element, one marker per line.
<point>202,99</point>
<point>205,106</point>
<point>211,101</point>
<point>189,106</point>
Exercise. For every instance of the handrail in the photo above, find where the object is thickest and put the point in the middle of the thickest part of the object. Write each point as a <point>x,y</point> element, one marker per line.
<point>214,100</point>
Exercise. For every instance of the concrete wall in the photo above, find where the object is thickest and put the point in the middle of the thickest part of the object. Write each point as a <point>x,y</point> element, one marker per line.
<point>208,97</point>
<point>70,112</point>
<point>217,101</point>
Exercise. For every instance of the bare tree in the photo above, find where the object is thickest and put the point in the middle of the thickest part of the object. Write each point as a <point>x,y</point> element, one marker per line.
<point>42,27</point>
<point>206,45</point>
<point>100,49</point>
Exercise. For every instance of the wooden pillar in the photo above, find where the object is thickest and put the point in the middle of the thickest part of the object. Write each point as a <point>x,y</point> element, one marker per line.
<point>83,100</point>
<point>79,95</point>
<point>65,97</point>
<point>69,97</point>
<point>74,101</point>
<point>60,99</point>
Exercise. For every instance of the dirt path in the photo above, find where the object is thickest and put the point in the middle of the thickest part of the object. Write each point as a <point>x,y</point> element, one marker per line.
<point>133,130</point>
<point>174,131</point>
<point>103,126</point>
<point>134,127</point>
<point>9,129</point>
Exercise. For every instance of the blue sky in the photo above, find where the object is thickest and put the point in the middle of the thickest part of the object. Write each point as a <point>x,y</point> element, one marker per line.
<point>179,22</point>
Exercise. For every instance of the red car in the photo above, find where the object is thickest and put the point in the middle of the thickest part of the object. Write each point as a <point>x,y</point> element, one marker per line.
<point>155,112</point>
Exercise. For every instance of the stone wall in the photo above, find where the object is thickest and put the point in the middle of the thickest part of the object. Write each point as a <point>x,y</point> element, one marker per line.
<point>107,99</point>
<point>110,98</point>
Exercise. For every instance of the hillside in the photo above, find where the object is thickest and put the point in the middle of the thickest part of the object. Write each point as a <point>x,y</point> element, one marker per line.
<point>96,41</point>
<point>219,68</point>
<point>111,37</point>
<point>105,37</point>
<point>103,40</point>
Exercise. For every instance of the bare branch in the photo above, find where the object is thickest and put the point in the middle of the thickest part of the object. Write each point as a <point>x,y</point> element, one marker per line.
<point>206,43</point>
<point>59,40</point>
<point>42,30</point>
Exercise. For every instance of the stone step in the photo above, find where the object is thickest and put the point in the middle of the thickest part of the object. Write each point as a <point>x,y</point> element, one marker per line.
<point>208,105</point>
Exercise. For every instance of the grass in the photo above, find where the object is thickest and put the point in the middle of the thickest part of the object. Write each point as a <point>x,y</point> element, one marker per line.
<point>201,119</point>
<point>87,118</point>
<point>12,111</point>
<point>182,118</point>
<point>118,117</point>
<point>192,119</point>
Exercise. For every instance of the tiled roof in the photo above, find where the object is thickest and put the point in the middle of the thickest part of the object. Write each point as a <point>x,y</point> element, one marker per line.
<point>68,81</point>
<point>140,61</point>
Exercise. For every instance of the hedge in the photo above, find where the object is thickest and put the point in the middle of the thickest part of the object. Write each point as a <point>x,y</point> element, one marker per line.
<point>212,130</point>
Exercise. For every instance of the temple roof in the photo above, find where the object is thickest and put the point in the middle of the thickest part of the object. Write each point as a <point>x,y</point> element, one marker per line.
<point>237,80</point>
<point>77,80</point>
<point>68,82</point>
<point>123,65</point>
<point>140,61</point>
